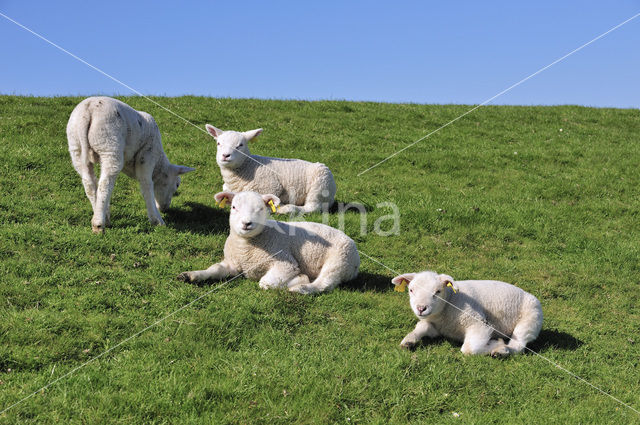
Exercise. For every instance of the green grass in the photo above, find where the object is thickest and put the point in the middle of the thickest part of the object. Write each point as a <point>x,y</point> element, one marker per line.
<point>543,197</point>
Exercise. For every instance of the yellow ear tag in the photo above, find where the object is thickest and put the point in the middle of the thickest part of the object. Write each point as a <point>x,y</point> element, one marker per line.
<point>223,203</point>
<point>450,285</point>
<point>401,286</point>
<point>273,207</point>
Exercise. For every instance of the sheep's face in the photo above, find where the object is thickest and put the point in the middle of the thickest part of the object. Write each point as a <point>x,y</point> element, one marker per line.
<point>428,292</point>
<point>249,211</point>
<point>165,184</point>
<point>233,146</point>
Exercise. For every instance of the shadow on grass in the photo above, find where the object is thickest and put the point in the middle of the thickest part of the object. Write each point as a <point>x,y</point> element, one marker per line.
<point>353,207</point>
<point>548,339</point>
<point>198,218</point>
<point>363,283</point>
<point>368,282</point>
<point>555,340</point>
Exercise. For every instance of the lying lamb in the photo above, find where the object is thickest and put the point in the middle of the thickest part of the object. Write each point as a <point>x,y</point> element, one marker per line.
<point>106,131</point>
<point>302,186</point>
<point>473,311</point>
<point>303,257</point>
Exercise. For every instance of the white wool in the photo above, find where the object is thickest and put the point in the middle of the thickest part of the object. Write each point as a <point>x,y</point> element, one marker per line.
<point>109,132</point>
<point>301,186</point>
<point>476,312</point>
<point>303,257</point>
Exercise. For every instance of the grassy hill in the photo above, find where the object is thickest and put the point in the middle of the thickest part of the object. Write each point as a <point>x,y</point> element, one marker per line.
<point>543,197</point>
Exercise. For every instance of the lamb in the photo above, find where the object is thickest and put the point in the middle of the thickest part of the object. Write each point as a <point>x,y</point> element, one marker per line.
<point>302,257</point>
<point>477,312</point>
<point>109,132</point>
<point>303,187</point>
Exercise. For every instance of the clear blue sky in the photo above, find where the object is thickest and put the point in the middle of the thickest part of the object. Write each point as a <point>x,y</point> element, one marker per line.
<point>424,52</point>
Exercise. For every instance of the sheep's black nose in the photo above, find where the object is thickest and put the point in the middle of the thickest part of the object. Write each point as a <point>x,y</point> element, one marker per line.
<point>421,309</point>
<point>226,155</point>
<point>246,224</point>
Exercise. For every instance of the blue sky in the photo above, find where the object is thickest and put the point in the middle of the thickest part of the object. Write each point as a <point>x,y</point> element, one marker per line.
<point>423,52</point>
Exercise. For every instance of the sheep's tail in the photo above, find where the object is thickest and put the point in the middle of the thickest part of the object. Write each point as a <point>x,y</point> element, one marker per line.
<point>79,136</point>
<point>83,135</point>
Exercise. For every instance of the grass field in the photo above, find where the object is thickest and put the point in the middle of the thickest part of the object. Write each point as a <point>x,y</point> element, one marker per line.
<point>543,197</point>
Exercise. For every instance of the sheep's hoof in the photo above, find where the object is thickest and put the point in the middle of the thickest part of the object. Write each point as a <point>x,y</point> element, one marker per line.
<point>284,209</point>
<point>500,352</point>
<point>303,289</point>
<point>408,345</point>
<point>297,288</point>
<point>185,277</point>
<point>158,221</point>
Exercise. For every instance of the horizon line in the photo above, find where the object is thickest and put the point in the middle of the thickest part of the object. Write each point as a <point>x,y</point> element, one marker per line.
<point>311,100</point>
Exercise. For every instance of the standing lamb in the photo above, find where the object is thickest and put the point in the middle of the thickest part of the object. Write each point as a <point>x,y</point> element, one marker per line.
<point>303,187</point>
<point>475,312</point>
<point>303,257</point>
<point>109,132</point>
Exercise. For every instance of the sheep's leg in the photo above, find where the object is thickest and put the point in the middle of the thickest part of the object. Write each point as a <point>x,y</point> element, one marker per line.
<point>339,268</point>
<point>87,175</point>
<point>311,205</point>
<point>477,340</point>
<point>320,284</point>
<point>301,279</point>
<point>89,183</point>
<point>325,281</point>
<point>299,210</point>
<point>146,187</point>
<point>422,329</point>
<point>280,277</point>
<point>109,170</point>
<point>218,271</point>
<point>525,331</point>
<point>107,215</point>
<point>498,348</point>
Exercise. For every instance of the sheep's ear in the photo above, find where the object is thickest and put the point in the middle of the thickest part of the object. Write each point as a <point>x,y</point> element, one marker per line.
<point>447,280</point>
<point>224,196</point>
<point>403,277</point>
<point>215,132</point>
<point>402,281</point>
<point>252,134</point>
<point>271,201</point>
<point>181,169</point>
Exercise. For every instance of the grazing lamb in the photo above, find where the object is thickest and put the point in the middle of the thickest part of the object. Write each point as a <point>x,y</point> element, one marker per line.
<point>302,186</point>
<point>303,257</point>
<point>477,312</point>
<point>106,131</point>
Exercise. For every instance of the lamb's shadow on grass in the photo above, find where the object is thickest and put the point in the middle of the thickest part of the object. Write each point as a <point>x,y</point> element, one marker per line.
<point>349,207</point>
<point>368,282</point>
<point>554,340</point>
<point>549,339</point>
<point>198,218</point>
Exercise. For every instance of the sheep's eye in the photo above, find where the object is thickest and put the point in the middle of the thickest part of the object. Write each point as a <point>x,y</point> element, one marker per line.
<point>218,143</point>
<point>411,291</point>
<point>437,292</point>
<point>233,208</point>
<point>240,145</point>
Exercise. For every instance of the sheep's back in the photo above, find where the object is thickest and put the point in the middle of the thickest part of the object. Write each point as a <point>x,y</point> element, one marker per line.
<point>115,126</point>
<point>289,179</point>
<point>500,304</point>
